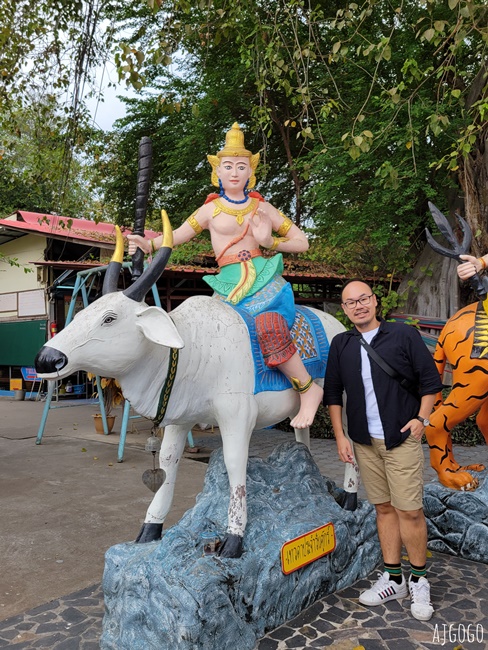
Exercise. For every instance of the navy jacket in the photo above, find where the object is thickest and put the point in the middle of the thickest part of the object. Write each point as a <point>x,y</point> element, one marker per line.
<point>401,346</point>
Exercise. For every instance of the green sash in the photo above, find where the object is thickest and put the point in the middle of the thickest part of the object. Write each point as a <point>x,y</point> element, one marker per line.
<point>229,276</point>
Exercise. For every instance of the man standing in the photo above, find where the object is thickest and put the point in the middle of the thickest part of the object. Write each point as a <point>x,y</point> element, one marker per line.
<point>386,422</point>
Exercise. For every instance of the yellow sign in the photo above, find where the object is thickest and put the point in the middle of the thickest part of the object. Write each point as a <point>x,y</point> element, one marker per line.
<point>16,384</point>
<point>307,548</point>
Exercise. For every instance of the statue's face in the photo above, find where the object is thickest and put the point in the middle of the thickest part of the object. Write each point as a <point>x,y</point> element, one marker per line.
<point>234,173</point>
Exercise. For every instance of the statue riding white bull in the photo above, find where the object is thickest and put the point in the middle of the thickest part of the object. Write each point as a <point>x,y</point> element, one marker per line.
<point>212,381</point>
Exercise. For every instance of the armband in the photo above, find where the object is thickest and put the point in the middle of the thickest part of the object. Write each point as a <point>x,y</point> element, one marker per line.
<point>194,223</point>
<point>285,226</point>
<point>481,260</point>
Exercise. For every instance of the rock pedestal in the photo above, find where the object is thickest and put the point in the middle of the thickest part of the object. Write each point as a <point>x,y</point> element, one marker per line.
<point>457,522</point>
<point>167,595</point>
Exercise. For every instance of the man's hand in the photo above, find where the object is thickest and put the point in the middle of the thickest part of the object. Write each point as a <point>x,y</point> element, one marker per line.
<point>416,428</point>
<point>136,241</point>
<point>471,266</point>
<point>345,450</point>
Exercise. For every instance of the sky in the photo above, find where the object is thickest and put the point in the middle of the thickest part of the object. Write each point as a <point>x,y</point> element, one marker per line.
<point>104,113</point>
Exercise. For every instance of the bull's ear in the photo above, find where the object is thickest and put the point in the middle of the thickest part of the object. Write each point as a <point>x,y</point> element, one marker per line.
<point>158,327</point>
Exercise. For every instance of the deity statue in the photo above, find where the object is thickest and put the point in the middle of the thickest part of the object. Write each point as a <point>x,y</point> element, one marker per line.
<point>241,222</point>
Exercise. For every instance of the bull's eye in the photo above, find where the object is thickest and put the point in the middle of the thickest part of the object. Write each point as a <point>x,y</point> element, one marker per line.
<point>109,318</point>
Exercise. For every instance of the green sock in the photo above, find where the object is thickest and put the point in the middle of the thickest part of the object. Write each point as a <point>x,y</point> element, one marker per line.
<point>417,572</point>
<point>395,572</point>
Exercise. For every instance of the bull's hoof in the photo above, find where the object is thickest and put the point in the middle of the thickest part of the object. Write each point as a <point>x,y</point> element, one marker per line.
<point>149,533</point>
<point>347,500</point>
<point>231,546</point>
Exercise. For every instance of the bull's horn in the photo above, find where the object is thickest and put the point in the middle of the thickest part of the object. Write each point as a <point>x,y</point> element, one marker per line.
<point>151,275</point>
<point>111,279</point>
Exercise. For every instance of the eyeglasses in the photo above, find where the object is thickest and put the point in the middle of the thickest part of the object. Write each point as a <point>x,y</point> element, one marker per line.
<point>364,300</point>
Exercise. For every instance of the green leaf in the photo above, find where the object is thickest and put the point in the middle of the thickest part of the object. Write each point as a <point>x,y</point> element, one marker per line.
<point>354,152</point>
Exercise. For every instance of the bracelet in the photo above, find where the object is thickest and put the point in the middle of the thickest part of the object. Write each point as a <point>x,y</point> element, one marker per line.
<point>153,247</point>
<point>276,242</point>
<point>481,260</point>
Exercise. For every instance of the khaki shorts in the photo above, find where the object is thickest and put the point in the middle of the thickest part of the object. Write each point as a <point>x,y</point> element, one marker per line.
<point>395,476</point>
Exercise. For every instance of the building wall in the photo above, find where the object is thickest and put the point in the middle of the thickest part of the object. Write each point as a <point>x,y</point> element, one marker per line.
<point>14,280</point>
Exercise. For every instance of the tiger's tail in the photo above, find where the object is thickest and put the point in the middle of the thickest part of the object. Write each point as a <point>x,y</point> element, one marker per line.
<point>440,360</point>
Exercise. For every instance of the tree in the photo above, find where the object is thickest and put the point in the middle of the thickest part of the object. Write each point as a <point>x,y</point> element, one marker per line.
<point>186,116</point>
<point>220,83</point>
<point>48,52</point>
<point>31,165</point>
<point>385,104</point>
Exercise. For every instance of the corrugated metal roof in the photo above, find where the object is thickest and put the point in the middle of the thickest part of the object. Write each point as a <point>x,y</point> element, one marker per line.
<point>49,225</point>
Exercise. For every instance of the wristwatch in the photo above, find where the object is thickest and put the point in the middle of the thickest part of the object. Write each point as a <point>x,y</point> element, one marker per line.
<point>425,421</point>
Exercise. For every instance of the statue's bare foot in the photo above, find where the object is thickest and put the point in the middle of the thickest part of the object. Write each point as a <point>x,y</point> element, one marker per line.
<point>309,403</point>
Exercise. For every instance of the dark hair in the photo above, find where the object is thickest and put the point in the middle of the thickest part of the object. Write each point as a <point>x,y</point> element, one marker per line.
<point>355,280</point>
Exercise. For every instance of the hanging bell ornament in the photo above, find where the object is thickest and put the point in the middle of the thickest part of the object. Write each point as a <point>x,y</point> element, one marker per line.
<point>153,444</point>
<point>153,478</point>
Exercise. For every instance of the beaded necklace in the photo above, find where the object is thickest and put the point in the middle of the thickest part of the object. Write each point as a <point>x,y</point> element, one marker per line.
<point>224,195</point>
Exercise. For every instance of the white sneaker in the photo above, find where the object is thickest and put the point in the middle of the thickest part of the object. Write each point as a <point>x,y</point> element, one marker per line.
<point>383,590</point>
<point>420,605</point>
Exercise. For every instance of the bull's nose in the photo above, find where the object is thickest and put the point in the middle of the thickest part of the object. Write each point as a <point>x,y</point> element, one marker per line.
<point>49,360</point>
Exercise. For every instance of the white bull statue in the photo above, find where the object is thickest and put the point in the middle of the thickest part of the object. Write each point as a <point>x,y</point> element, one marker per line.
<point>120,336</point>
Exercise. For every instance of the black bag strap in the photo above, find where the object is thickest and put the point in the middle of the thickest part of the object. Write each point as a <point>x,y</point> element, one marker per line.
<point>403,381</point>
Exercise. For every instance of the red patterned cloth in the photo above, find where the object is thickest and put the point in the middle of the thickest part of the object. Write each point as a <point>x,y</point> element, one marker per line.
<point>274,338</point>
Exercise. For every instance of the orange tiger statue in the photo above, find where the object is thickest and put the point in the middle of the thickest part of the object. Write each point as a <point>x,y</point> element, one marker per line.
<point>463,342</point>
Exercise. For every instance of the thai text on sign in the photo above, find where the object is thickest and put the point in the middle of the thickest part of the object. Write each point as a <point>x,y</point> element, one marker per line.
<point>307,548</point>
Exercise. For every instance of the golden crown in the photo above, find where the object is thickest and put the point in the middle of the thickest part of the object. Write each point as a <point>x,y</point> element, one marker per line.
<point>234,146</point>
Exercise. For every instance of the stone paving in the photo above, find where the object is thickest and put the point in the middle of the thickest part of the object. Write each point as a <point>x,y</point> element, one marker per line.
<point>73,622</point>
<point>459,590</point>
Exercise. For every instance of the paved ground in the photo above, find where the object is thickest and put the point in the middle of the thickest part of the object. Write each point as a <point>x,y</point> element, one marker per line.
<point>66,501</point>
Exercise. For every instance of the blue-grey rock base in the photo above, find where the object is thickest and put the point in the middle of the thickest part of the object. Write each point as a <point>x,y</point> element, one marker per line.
<point>167,596</point>
<point>457,522</point>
